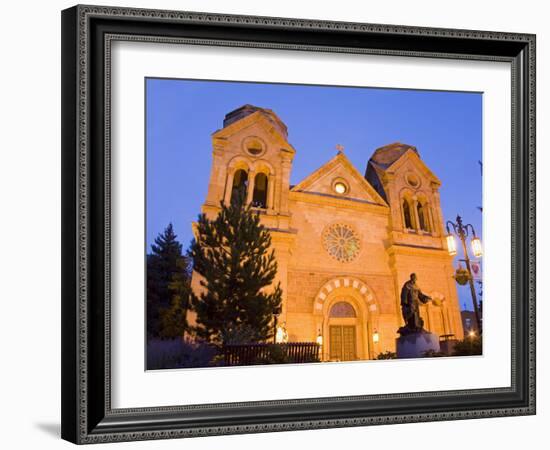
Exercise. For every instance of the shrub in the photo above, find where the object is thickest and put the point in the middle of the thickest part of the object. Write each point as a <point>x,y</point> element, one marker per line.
<point>179,353</point>
<point>468,347</point>
<point>387,355</point>
<point>433,354</point>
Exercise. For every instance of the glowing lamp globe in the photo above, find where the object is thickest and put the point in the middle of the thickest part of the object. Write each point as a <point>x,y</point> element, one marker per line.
<point>451,244</point>
<point>476,247</point>
<point>280,335</point>
<point>319,339</point>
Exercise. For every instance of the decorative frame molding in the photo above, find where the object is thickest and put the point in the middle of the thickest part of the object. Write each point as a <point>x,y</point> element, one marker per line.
<point>87,34</point>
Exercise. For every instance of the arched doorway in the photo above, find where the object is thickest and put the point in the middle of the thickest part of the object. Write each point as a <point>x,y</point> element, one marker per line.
<point>348,305</point>
<point>342,328</point>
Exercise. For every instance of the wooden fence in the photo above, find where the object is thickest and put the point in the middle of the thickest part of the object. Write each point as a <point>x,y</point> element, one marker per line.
<point>290,352</point>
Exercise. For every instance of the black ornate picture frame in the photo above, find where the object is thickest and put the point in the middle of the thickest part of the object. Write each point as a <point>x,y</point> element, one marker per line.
<point>87,34</point>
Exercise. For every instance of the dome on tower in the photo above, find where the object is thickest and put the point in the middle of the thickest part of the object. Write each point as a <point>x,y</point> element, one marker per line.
<point>385,156</point>
<point>247,110</point>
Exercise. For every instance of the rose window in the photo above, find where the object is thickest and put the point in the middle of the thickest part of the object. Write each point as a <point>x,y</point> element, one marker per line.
<point>341,242</point>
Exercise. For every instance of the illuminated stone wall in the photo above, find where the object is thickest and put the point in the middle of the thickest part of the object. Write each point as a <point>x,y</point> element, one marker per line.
<point>340,236</point>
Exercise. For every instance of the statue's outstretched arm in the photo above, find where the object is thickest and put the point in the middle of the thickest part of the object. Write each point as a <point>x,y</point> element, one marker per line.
<point>423,297</point>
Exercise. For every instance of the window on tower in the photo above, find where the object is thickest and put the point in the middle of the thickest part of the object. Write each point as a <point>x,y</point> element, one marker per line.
<point>259,196</point>
<point>407,214</point>
<point>240,185</point>
<point>423,217</point>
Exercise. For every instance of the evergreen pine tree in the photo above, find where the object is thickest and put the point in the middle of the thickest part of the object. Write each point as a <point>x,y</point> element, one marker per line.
<point>173,320</point>
<point>165,265</point>
<point>232,254</point>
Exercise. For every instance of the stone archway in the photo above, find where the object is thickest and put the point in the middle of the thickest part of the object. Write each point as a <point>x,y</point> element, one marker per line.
<point>358,295</point>
<point>344,282</point>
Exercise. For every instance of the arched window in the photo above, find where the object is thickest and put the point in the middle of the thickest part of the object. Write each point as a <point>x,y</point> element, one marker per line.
<point>259,196</point>
<point>407,214</point>
<point>240,185</point>
<point>423,217</point>
<point>342,309</point>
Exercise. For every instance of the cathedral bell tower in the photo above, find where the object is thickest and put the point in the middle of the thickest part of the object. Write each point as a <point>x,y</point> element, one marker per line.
<point>416,241</point>
<point>411,190</point>
<point>251,153</point>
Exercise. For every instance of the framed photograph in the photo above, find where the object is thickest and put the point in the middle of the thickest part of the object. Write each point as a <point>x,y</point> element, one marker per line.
<point>282,224</point>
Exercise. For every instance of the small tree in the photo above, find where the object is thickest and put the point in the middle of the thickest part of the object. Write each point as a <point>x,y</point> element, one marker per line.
<point>232,254</point>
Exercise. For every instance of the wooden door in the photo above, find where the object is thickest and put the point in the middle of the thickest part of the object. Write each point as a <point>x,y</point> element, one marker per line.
<point>342,343</point>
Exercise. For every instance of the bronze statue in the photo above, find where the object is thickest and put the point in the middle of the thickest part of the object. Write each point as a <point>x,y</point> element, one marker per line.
<point>411,296</point>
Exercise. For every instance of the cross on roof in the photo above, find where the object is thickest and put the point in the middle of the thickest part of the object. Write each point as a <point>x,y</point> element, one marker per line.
<point>340,148</point>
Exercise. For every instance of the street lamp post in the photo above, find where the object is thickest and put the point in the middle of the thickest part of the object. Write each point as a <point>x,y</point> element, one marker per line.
<point>463,232</point>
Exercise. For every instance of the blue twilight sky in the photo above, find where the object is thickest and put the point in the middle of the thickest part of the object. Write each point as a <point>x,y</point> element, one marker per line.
<point>181,115</point>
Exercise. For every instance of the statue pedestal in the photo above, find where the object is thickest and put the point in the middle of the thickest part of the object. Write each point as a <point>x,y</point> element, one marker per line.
<point>415,344</point>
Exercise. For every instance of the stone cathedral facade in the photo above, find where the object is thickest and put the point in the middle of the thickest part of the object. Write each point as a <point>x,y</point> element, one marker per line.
<point>345,242</point>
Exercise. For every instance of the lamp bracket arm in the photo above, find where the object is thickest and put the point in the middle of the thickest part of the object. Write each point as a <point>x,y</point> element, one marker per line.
<point>452,225</point>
